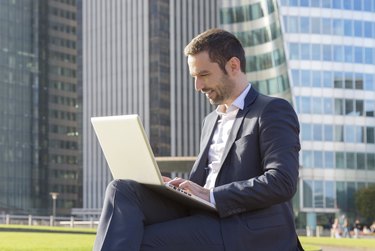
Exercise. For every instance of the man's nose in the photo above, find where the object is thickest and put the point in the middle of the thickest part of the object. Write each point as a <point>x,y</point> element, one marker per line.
<point>199,84</point>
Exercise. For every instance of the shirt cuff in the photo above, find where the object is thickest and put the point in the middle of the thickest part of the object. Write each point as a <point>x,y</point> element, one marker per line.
<point>212,198</point>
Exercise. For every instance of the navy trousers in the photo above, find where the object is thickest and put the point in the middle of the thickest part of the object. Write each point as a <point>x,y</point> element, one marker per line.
<point>135,218</point>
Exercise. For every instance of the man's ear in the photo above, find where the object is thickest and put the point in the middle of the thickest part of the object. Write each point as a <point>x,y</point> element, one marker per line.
<point>233,65</point>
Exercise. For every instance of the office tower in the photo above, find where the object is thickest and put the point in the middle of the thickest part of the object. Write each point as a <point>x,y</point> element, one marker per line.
<point>257,25</point>
<point>331,57</point>
<point>330,64</point>
<point>133,62</point>
<point>39,138</point>
<point>18,123</point>
<point>59,137</point>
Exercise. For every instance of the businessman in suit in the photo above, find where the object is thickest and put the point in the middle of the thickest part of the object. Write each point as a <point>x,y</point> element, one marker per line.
<point>247,167</point>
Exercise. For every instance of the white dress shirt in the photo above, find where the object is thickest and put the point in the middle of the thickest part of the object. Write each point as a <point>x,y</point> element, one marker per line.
<point>227,115</point>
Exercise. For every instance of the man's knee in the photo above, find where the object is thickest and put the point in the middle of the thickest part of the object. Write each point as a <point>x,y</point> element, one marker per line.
<point>123,186</point>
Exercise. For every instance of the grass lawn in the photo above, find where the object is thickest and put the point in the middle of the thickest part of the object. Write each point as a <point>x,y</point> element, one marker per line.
<point>45,238</point>
<point>16,237</point>
<point>343,242</point>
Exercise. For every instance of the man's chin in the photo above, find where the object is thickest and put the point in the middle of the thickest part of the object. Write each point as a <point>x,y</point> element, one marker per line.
<point>215,102</point>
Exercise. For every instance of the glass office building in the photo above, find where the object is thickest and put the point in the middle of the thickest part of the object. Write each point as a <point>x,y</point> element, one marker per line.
<point>331,58</point>
<point>39,139</point>
<point>133,62</point>
<point>257,25</point>
<point>18,123</point>
<point>320,55</point>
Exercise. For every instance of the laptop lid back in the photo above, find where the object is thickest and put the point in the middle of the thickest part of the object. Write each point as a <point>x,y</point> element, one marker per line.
<point>126,148</point>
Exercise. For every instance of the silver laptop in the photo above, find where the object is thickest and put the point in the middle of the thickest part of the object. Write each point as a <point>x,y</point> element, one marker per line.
<point>129,156</point>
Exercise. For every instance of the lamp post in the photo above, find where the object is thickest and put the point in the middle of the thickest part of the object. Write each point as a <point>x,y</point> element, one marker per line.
<point>54,197</point>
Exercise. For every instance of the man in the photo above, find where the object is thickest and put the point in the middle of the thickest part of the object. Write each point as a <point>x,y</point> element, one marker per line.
<point>247,167</point>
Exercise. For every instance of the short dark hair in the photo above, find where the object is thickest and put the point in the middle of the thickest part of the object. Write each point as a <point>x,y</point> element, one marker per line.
<point>221,46</point>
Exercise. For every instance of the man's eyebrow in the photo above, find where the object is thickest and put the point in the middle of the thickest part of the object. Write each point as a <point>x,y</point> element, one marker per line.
<point>203,72</point>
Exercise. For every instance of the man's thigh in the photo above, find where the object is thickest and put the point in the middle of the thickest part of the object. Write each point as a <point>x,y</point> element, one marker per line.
<point>195,232</point>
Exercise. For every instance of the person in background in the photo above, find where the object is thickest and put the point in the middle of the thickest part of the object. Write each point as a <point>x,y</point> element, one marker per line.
<point>357,228</point>
<point>335,229</point>
<point>372,227</point>
<point>247,166</point>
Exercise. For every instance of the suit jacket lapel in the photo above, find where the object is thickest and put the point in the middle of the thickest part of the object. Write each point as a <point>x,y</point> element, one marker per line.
<point>198,173</point>
<point>250,98</point>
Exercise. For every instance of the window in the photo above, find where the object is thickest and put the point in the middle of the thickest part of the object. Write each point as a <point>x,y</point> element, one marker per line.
<point>307,159</point>
<point>369,82</point>
<point>337,4</point>
<point>338,53</point>
<point>318,194</point>
<point>358,29</point>
<point>359,108</point>
<point>316,79</point>
<point>327,52</point>
<point>371,161</point>
<point>304,3</point>
<point>305,52</point>
<point>357,5</point>
<point>327,79</point>
<point>370,135</point>
<point>330,195</point>
<point>304,24</point>
<point>317,132</point>
<point>340,160</point>
<point>315,26</point>
<point>318,159</point>
<point>328,132</point>
<point>348,27</point>
<point>348,52</point>
<point>292,24</point>
<point>339,107</point>
<point>369,56</point>
<point>327,26</point>
<point>338,27</point>
<point>370,108</point>
<point>341,195</point>
<point>348,81</point>
<point>368,29</point>
<point>306,131</point>
<point>338,79</point>
<point>358,55</point>
<point>361,164</point>
<point>316,52</point>
<point>347,4</point>
<point>339,133</point>
<point>295,77</point>
<point>307,193</point>
<point>316,105</point>
<point>293,51</point>
<point>350,133</point>
<point>305,78</point>
<point>358,81</point>
<point>329,160</point>
<point>351,160</point>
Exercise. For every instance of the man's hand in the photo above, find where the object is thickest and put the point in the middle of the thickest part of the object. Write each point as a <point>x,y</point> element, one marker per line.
<point>191,187</point>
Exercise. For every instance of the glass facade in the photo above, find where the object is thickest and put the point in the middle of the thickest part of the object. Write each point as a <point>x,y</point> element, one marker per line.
<point>265,54</point>
<point>39,139</point>
<point>331,58</point>
<point>18,74</point>
<point>63,138</point>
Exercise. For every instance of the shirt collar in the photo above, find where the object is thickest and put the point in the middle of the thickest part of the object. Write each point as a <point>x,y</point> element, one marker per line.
<point>238,103</point>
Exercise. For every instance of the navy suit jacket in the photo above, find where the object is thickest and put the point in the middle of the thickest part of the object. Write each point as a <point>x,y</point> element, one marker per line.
<point>258,176</point>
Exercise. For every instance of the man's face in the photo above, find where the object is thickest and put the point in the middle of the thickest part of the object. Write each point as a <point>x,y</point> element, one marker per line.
<point>210,79</point>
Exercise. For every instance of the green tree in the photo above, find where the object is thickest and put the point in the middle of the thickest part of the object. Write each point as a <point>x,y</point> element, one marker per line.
<point>365,202</point>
